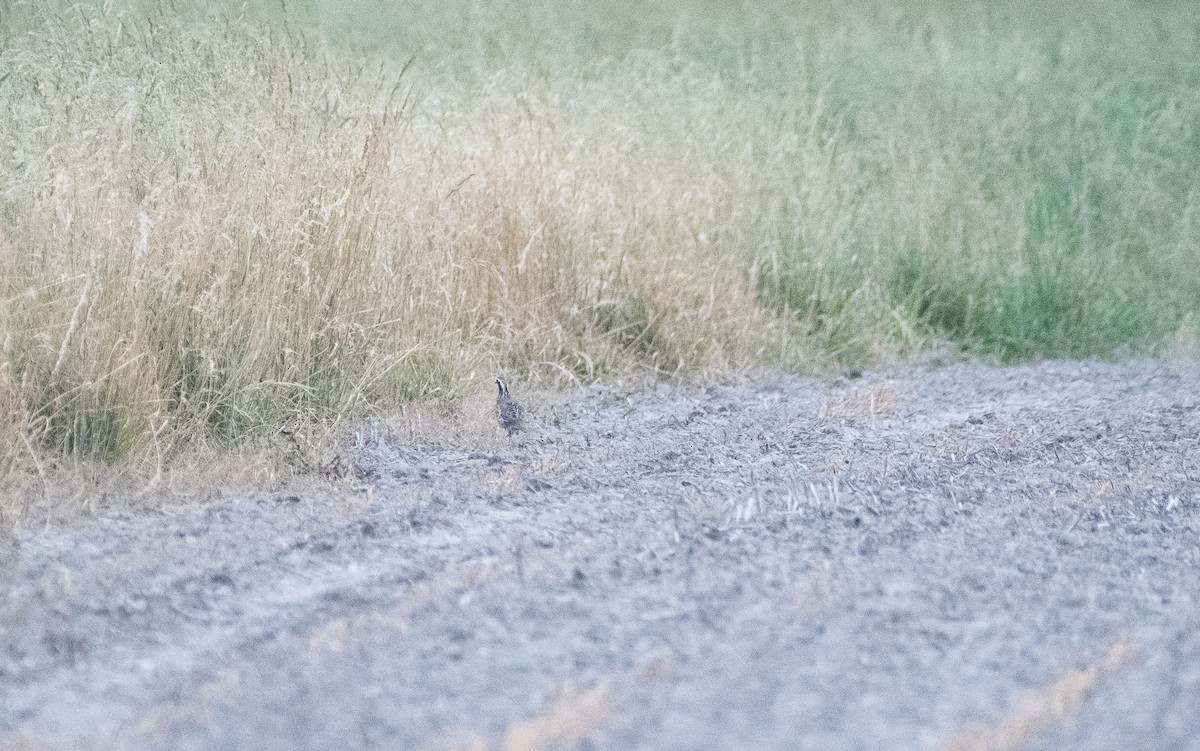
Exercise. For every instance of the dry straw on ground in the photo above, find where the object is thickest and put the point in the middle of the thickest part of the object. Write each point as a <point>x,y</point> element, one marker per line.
<point>1032,716</point>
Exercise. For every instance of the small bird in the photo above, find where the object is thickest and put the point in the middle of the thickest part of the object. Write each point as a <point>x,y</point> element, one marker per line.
<point>510,414</point>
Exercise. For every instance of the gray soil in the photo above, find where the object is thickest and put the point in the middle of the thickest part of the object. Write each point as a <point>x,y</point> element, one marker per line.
<point>963,557</point>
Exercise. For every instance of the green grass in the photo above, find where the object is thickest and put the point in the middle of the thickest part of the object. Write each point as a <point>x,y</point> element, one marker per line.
<point>215,222</point>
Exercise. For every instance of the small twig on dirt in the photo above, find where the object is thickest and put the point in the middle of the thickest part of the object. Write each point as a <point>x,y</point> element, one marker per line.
<point>1071,528</point>
<point>519,553</point>
<point>456,187</point>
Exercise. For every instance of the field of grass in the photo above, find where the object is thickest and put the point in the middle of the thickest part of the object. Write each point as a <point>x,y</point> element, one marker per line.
<point>214,223</point>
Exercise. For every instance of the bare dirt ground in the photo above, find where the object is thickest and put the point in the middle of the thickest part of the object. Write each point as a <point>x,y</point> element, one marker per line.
<point>954,558</point>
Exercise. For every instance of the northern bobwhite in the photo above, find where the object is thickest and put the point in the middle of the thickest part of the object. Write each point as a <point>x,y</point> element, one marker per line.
<point>510,414</point>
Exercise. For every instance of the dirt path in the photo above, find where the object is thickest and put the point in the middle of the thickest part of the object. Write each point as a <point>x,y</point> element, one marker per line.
<point>962,558</point>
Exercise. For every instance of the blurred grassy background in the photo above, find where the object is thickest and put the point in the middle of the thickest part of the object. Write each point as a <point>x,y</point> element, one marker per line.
<point>217,221</point>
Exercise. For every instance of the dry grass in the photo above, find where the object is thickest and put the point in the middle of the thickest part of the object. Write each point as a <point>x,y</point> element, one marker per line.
<point>1025,721</point>
<point>214,225</point>
<point>813,590</point>
<point>456,584</point>
<point>439,590</point>
<point>147,729</point>
<point>26,741</point>
<point>863,403</point>
<point>160,720</point>
<point>573,717</point>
